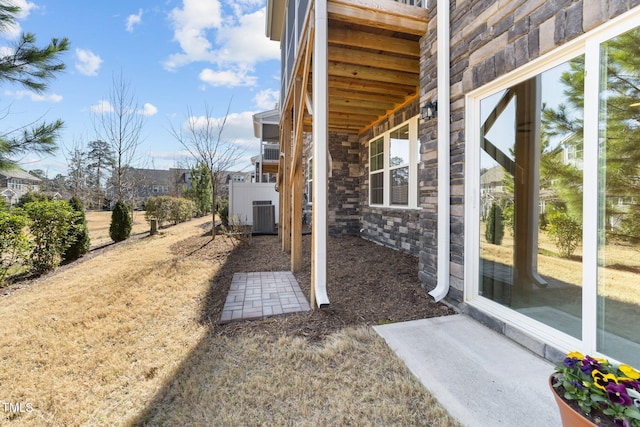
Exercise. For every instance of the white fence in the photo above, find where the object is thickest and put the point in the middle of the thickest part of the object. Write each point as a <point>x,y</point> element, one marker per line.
<point>243,194</point>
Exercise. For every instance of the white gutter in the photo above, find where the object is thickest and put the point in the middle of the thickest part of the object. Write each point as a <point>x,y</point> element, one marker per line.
<point>320,145</point>
<point>444,146</point>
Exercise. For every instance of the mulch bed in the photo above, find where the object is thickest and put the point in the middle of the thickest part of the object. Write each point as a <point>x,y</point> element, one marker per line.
<point>368,284</point>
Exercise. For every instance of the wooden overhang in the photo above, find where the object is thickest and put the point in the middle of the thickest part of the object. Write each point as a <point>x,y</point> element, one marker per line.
<point>373,61</point>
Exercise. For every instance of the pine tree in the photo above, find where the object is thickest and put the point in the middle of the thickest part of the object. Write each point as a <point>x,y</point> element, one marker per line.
<point>120,228</point>
<point>32,67</point>
<point>78,235</point>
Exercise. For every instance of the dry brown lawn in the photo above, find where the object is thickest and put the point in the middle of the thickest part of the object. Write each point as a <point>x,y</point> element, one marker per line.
<point>98,223</point>
<point>119,339</point>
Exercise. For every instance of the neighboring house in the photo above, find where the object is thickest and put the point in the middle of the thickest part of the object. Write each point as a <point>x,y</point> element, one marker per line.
<point>140,184</point>
<point>404,107</point>
<point>266,127</point>
<point>14,183</point>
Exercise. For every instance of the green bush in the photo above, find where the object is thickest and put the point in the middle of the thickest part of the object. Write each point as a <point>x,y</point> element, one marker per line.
<point>120,228</point>
<point>14,244</point>
<point>223,212</point>
<point>79,235</point>
<point>166,208</point>
<point>565,232</point>
<point>50,224</point>
<point>33,196</point>
<point>494,231</point>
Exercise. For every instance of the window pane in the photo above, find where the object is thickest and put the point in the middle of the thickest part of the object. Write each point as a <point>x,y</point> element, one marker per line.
<point>531,197</point>
<point>619,197</point>
<point>376,159</point>
<point>400,186</point>
<point>377,188</point>
<point>399,146</point>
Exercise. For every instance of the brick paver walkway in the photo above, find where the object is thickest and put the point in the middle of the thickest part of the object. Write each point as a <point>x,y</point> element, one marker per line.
<point>257,295</point>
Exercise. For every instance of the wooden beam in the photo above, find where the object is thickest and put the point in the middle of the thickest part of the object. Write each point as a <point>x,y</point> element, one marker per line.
<point>361,39</point>
<point>383,14</point>
<point>296,222</point>
<point>372,59</point>
<point>359,72</point>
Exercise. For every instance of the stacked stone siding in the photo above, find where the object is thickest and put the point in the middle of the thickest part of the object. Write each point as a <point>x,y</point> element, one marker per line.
<point>488,40</point>
<point>344,185</point>
<point>397,228</point>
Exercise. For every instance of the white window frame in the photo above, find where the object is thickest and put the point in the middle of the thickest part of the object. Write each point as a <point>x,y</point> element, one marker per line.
<point>589,45</point>
<point>413,164</point>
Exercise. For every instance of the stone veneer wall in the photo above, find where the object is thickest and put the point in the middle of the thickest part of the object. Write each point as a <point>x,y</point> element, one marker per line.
<point>344,185</point>
<point>488,39</point>
<point>396,228</point>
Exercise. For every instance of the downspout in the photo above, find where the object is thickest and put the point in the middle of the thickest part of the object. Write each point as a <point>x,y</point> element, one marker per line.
<point>320,149</point>
<point>444,146</point>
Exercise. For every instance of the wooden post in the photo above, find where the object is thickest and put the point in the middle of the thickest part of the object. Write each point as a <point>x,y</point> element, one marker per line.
<point>286,184</point>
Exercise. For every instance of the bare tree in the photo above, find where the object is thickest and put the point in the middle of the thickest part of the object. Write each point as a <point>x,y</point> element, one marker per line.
<point>202,138</point>
<point>119,123</point>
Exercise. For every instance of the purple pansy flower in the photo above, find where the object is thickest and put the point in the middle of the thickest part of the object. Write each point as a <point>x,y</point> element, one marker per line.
<point>589,364</point>
<point>618,394</point>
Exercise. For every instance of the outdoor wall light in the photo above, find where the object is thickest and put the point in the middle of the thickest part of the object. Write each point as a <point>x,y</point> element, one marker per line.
<point>429,110</point>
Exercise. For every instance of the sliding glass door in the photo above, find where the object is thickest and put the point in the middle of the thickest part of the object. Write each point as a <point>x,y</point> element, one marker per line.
<point>558,231</point>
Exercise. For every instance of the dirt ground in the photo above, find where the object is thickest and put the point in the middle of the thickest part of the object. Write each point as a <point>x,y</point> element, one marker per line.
<point>368,284</point>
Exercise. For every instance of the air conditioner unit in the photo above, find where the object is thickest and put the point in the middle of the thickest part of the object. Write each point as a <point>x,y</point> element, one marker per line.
<point>264,216</point>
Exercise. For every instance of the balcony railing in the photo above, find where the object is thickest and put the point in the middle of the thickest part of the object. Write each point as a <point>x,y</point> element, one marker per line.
<point>271,152</point>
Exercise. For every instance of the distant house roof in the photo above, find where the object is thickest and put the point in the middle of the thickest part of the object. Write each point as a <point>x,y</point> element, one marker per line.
<point>492,176</point>
<point>18,173</point>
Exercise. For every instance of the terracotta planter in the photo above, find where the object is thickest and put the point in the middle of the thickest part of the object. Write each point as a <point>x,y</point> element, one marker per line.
<point>570,417</point>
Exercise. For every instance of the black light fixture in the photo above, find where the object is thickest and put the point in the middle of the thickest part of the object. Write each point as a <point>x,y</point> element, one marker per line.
<point>429,110</point>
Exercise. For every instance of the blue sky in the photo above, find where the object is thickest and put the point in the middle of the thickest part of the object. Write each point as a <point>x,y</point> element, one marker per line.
<point>175,55</point>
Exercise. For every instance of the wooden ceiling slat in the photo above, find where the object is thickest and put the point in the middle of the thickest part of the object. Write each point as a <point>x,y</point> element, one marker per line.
<point>358,103</point>
<point>371,87</point>
<point>371,96</point>
<point>373,74</point>
<point>364,40</point>
<point>371,59</point>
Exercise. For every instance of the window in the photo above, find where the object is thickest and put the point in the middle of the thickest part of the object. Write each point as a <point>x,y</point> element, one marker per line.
<point>552,244</point>
<point>393,167</point>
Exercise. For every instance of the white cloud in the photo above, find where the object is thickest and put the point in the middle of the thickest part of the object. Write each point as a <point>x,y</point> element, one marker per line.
<point>103,106</point>
<point>36,97</point>
<point>13,30</point>
<point>238,129</point>
<point>228,78</point>
<point>132,20</point>
<point>87,62</point>
<point>190,25</point>
<point>266,99</point>
<point>148,110</point>
<point>6,51</point>
<point>240,42</point>
<point>245,42</point>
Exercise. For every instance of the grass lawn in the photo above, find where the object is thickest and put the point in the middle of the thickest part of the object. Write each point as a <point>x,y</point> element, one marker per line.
<point>117,339</point>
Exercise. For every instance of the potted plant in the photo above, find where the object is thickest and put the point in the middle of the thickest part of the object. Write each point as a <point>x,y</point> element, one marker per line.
<point>594,391</point>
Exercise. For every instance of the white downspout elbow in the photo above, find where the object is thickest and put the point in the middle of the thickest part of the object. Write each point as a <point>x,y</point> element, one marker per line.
<point>444,135</point>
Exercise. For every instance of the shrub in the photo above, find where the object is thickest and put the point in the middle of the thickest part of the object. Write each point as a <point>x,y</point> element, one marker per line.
<point>494,231</point>
<point>33,196</point>
<point>565,232</point>
<point>223,212</point>
<point>14,244</point>
<point>166,208</point>
<point>50,224</point>
<point>120,228</point>
<point>79,235</point>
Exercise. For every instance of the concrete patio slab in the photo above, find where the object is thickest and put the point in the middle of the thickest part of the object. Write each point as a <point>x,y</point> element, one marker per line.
<point>481,377</point>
